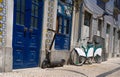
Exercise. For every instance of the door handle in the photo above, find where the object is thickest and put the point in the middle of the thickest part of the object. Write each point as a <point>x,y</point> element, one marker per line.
<point>30,31</point>
<point>25,30</point>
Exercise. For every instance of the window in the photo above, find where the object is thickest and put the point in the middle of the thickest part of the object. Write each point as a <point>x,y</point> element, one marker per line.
<point>101,4</point>
<point>119,34</point>
<point>34,14</point>
<point>114,29</point>
<point>20,12</point>
<point>66,26</point>
<point>108,29</point>
<point>63,25</point>
<point>87,18</point>
<point>18,17</point>
<point>99,24</point>
<point>60,24</point>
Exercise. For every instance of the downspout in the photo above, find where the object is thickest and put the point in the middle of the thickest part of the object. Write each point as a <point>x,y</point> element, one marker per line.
<point>80,22</point>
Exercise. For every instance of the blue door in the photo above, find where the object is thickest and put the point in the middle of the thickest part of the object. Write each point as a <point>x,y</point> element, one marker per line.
<point>64,23</point>
<point>27,33</point>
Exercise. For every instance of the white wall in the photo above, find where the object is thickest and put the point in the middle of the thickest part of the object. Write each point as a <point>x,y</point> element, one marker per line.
<point>6,51</point>
<point>9,23</point>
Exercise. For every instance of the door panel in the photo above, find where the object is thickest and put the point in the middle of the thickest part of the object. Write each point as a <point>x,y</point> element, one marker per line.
<point>27,32</point>
<point>62,42</point>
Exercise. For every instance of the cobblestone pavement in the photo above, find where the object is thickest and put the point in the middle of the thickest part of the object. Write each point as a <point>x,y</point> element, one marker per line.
<point>110,68</point>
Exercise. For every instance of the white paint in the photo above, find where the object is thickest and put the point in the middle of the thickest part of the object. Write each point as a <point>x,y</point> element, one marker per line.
<point>80,52</point>
<point>98,52</point>
<point>9,23</point>
<point>98,32</point>
<point>90,52</point>
<point>44,28</point>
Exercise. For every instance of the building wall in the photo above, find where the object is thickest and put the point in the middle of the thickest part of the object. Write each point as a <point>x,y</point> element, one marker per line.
<point>76,28</point>
<point>118,52</point>
<point>92,7</point>
<point>6,47</point>
<point>49,21</point>
<point>56,55</point>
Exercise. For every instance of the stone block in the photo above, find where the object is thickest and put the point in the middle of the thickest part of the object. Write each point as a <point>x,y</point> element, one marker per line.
<point>8,59</point>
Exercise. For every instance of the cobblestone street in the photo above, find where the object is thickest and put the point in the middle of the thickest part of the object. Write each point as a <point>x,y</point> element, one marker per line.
<point>110,68</point>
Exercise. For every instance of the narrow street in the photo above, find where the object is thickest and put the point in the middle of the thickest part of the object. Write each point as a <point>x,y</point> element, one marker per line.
<point>110,68</point>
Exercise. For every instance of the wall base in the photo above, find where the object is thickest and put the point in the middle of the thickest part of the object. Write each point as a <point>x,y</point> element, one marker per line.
<point>6,59</point>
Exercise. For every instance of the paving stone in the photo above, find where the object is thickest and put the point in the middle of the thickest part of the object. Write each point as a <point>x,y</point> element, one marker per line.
<point>110,68</point>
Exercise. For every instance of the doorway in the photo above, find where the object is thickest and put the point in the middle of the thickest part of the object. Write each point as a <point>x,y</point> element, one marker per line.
<point>27,33</point>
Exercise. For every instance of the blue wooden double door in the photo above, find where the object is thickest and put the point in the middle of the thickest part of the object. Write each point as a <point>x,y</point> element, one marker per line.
<point>27,33</point>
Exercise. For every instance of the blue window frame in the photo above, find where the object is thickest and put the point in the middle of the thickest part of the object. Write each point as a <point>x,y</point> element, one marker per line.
<point>101,4</point>
<point>64,19</point>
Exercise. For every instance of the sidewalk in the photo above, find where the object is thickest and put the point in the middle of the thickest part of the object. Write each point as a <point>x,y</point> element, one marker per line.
<point>110,68</point>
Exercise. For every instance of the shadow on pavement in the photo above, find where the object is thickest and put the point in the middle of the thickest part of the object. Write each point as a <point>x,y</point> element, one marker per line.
<point>109,72</point>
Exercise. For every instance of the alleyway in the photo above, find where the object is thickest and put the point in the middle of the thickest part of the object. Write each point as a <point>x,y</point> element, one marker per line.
<point>110,68</point>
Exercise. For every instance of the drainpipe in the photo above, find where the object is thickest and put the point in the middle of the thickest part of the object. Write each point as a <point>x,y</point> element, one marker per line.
<point>80,22</point>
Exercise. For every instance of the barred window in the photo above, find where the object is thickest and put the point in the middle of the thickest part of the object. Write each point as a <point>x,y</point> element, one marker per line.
<point>87,18</point>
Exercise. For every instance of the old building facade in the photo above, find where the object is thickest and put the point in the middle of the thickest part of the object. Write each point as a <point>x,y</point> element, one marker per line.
<point>91,21</point>
<point>24,28</point>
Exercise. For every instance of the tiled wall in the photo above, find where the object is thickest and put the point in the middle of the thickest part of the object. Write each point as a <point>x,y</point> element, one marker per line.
<point>50,21</point>
<point>2,22</point>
